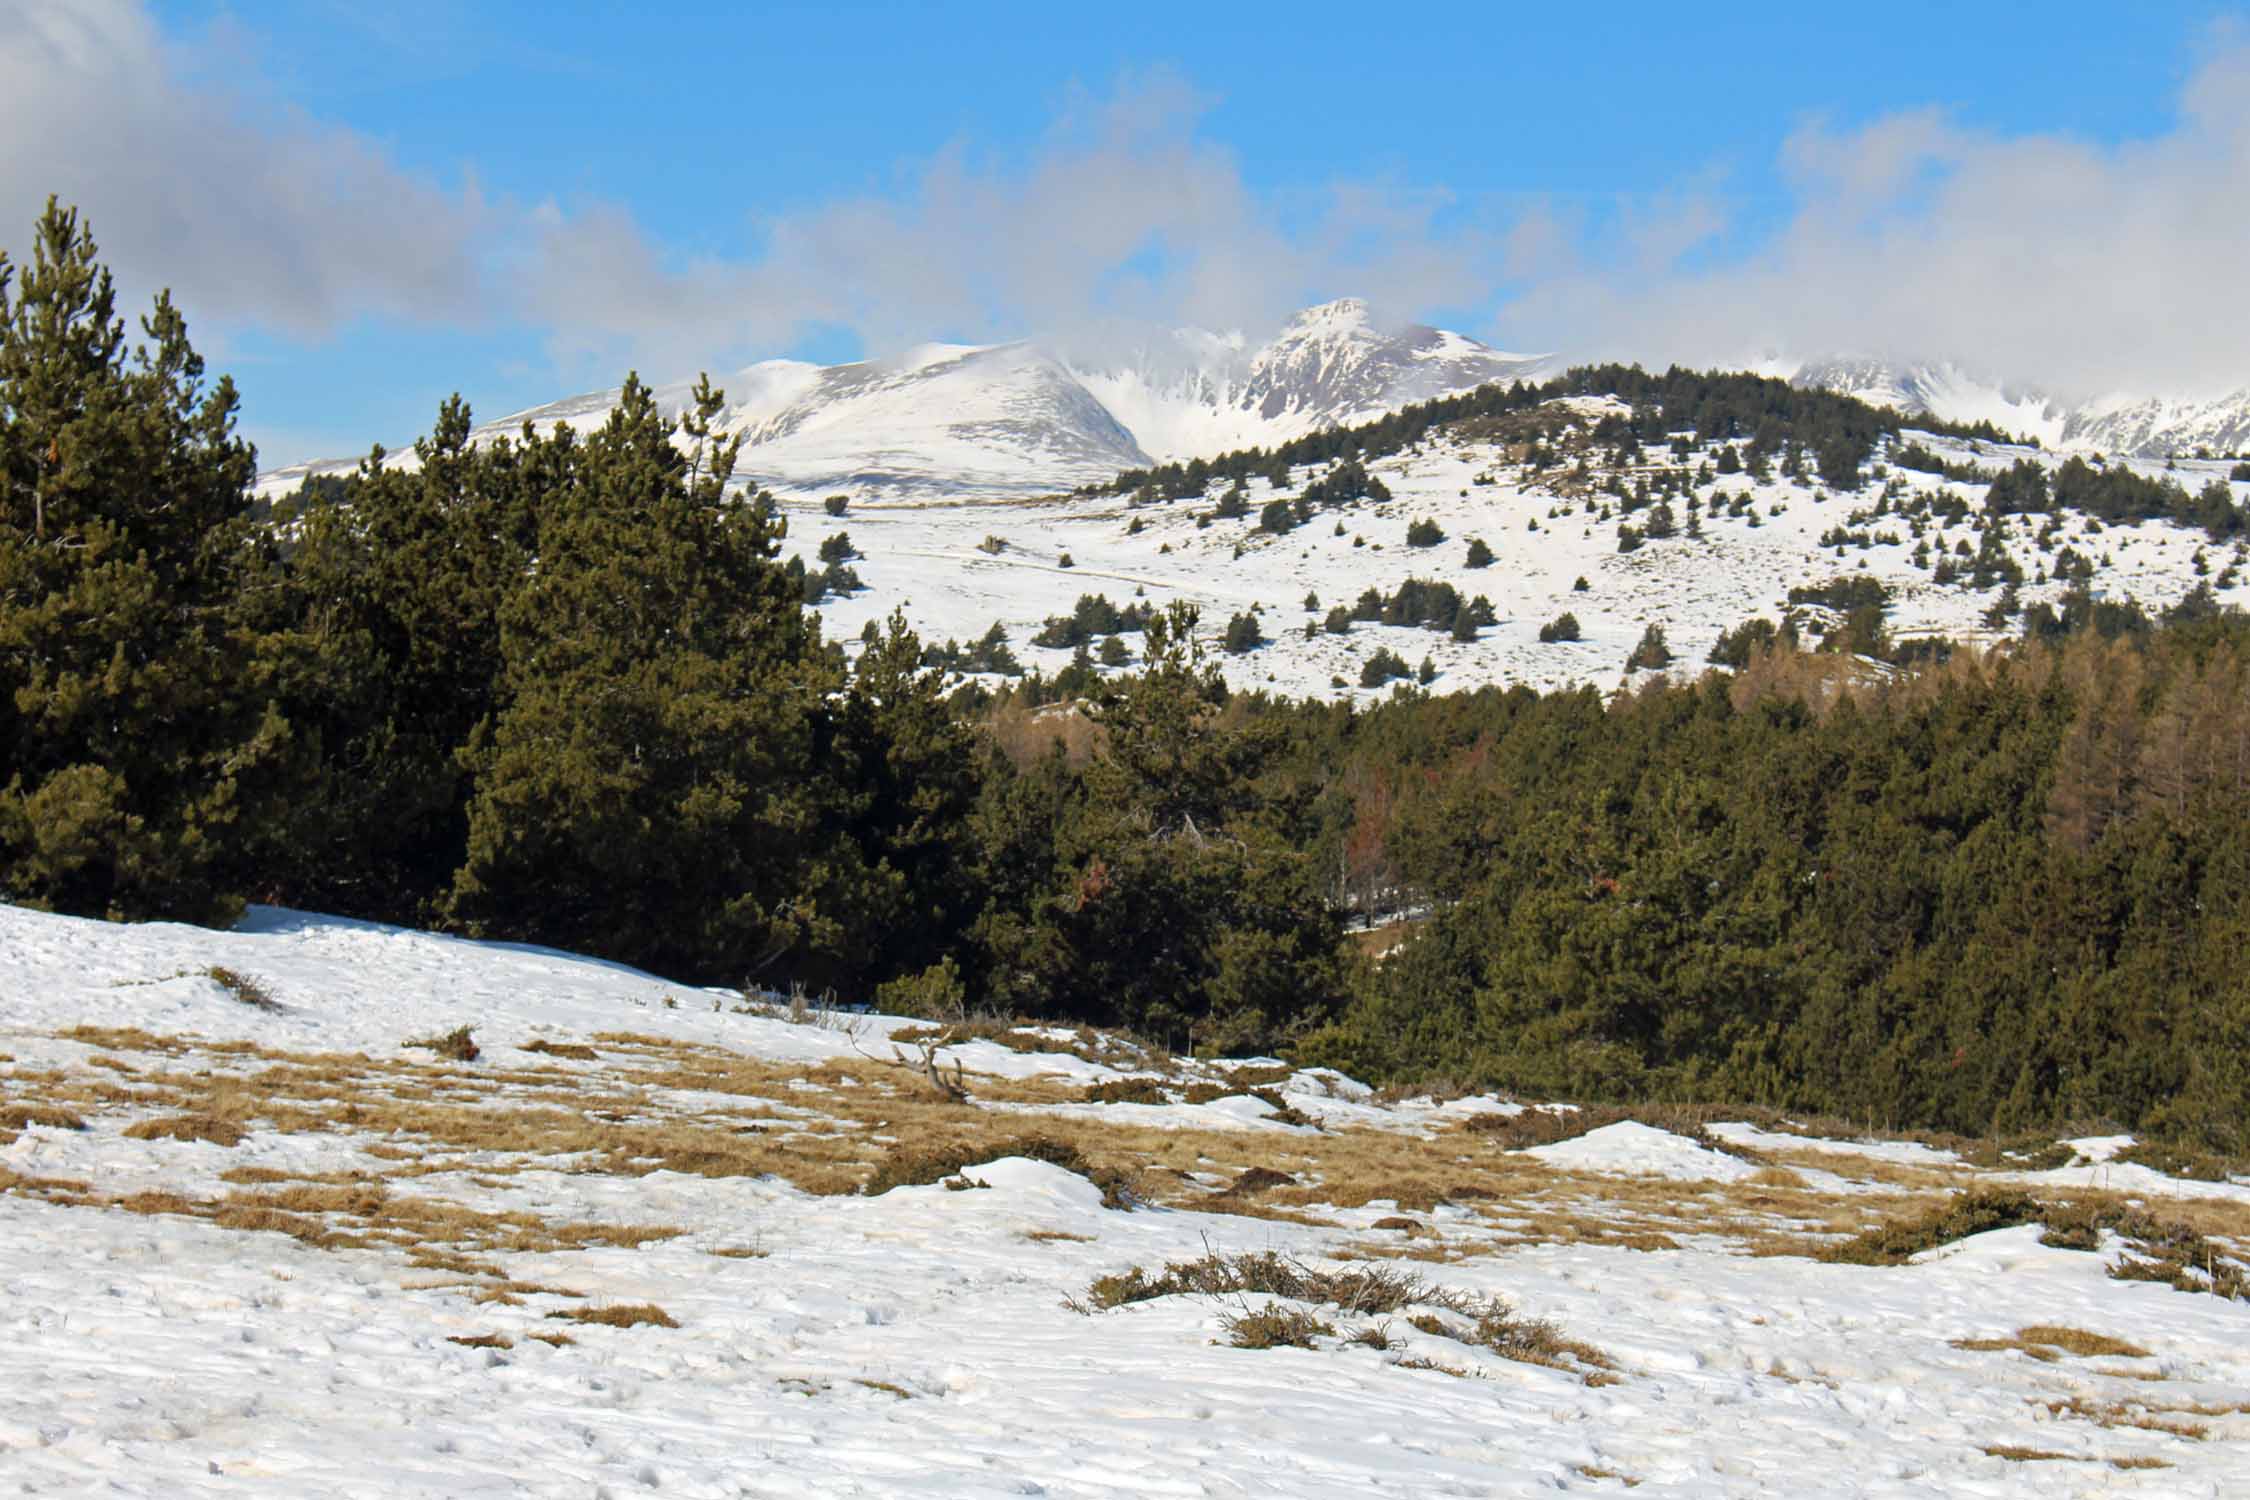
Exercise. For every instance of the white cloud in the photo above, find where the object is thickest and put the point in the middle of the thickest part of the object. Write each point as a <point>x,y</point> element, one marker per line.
<point>277,221</point>
<point>1121,220</point>
<point>2083,268</point>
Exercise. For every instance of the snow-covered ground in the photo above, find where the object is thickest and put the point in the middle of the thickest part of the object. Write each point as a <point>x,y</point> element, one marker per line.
<point>932,560</point>
<point>286,1315</point>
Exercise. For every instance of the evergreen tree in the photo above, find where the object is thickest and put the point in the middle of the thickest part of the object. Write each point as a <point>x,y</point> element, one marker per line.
<point>134,733</point>
<point>651,782</point>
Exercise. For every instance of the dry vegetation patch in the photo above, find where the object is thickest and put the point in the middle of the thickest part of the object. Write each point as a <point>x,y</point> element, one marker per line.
<point>578,1051</point>
<point>457,1045</point>
<point>1354,1291</point>
<point>619,1315</point>
<point>2049,1342</point>
<point>52,1117</point>
<point>203,1127</point>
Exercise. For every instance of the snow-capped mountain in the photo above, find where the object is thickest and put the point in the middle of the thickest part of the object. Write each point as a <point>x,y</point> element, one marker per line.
<point>1004,420</point>
<point>2140,426</point>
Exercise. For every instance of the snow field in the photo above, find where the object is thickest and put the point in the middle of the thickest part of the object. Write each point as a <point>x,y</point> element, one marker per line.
<point>926,558</point>
<point>916,1342</point>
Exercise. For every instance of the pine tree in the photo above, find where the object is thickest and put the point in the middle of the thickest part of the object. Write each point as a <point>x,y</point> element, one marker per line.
<point>650,784</point>
<point>133,734</point>
<point>384,631</point>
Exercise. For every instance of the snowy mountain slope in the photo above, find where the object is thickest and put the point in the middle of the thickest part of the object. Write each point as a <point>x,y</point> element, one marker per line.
<point>2138,426</point>
<point>381,1287</point>
<point>934,562</point>
<point>1010,420</point>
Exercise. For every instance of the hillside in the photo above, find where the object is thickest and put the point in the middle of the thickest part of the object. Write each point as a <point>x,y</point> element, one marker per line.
<point>1547,496</point>
<point>256,1240</point>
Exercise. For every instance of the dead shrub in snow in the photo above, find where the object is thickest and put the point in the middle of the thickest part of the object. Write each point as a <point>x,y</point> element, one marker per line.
<point>244,988</point>
<point>1359,1290</point>
<point>457,1045</point>
<point>1275,1328</point>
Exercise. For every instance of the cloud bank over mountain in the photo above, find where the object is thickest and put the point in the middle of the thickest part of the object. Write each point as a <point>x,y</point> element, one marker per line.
<point>2082,267</point>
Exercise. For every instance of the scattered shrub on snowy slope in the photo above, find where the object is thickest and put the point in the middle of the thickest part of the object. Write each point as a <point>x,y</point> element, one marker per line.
<point>1359,1291</point>
<point>244,988</point>
<point>457,1045</point>
<point>1275,1328</point>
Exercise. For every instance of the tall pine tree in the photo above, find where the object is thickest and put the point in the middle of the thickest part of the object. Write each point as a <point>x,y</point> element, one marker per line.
<point>130,722</point>
<point>650,786</point>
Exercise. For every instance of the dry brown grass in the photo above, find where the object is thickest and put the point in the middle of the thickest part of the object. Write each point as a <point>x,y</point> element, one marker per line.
<point>2016,1455</point>
<point>620,1315</point>
<point>204,1127</point>
<point>1596,1471</point>
<point>482,1341</point>
<point>427,1118</point>
<point>49,1116</point>
<point>2139,1415</point>
<point>577,1051</point>
<point>2048,1342</point>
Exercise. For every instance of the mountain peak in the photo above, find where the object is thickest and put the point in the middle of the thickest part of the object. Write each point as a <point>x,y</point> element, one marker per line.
<point>1017,419</point>
<point>1344,315</point>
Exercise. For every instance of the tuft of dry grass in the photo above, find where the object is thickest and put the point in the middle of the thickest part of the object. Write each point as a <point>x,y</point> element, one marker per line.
<point>52,1117</point>
<point>2016,1455</point>
<point>1256,1180</point>
<point>578,1051</point>
<point>620,1315</point>
<point>202,1127</point>
<point>1126,1091</point>
<point>888,1388</point>
<point>2079,1342</point>
<point>2134,1414</point>
<point>482,1341</point>
<point>1596,1471</point>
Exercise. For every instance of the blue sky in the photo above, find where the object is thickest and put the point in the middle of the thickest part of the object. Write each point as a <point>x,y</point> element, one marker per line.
<point>517,200</point>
